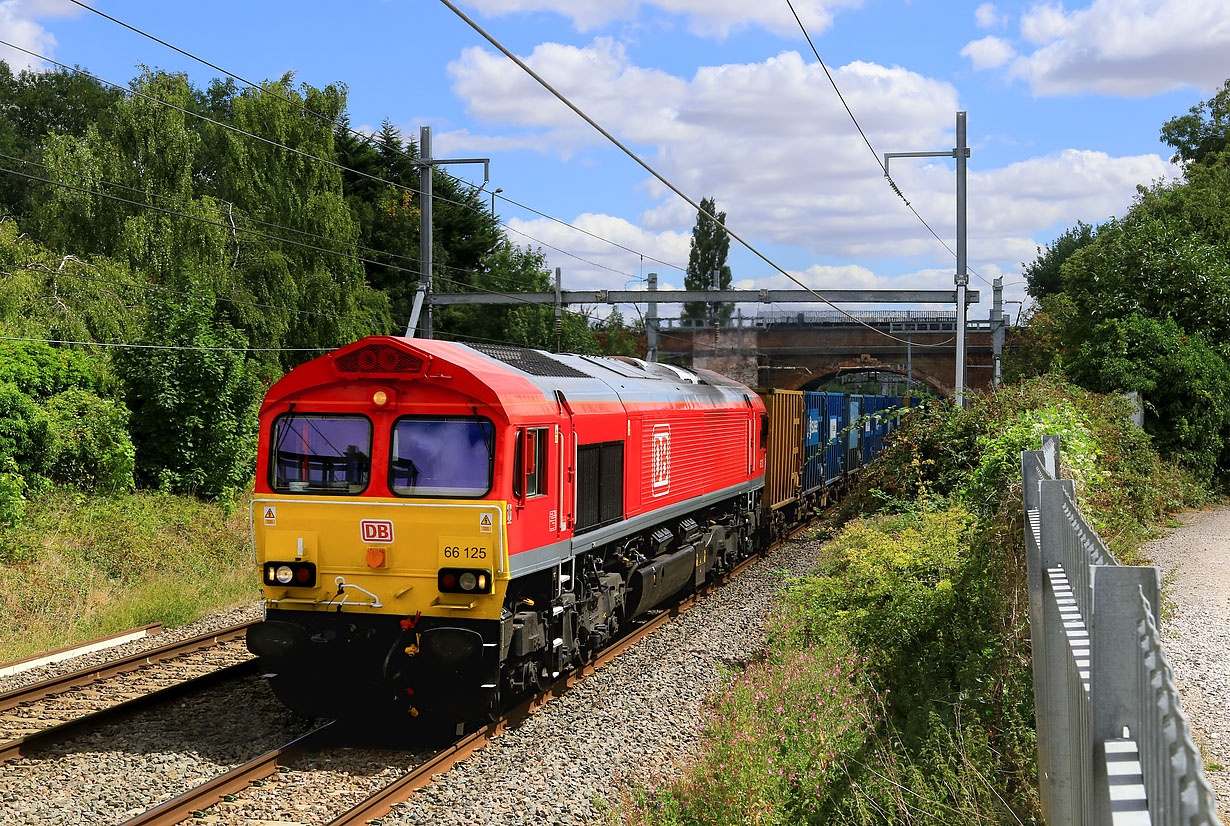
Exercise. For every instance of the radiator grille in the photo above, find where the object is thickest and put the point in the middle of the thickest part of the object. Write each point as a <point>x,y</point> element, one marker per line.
<point>379,358</point>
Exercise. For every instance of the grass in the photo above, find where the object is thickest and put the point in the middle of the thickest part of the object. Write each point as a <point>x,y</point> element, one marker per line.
<point>856,714</point>
<point>82,565</point>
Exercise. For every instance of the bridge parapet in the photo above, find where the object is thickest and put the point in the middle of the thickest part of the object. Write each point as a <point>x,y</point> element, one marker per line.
<point>1114,746</point>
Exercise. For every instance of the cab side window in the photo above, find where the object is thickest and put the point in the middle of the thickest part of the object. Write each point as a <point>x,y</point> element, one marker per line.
<point>535,461</point>
<point>531,464</point>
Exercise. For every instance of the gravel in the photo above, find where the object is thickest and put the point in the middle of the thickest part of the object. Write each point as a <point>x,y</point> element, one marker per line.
<point>127,767</point>
<point>632,723</point>
<point>1196,633</point>
<point>213,622</point>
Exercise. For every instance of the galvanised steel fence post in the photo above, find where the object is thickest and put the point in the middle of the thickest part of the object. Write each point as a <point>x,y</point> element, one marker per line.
<point>1033,472</point>
<point>1052,682</point>
<point>1115,695</point>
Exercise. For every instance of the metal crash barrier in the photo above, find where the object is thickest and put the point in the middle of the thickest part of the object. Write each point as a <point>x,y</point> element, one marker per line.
<point>1114,746</point>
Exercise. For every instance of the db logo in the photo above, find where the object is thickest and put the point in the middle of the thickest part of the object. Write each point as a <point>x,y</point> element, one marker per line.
<point>661,480</point>
<point>376,530</point>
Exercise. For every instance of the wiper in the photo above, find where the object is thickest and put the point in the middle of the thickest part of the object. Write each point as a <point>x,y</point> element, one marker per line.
<point>488,438</point>
<point>277,450</point>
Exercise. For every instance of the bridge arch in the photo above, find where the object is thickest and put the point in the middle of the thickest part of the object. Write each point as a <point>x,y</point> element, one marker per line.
<point>816,376</point>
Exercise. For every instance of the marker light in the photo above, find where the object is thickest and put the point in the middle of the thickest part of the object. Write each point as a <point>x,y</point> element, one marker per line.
<point>297,574</point>
<point>464,580</point>
<point>380,398</point>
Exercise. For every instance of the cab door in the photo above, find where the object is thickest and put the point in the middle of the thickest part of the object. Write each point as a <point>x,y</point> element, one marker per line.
<point>566,456</point>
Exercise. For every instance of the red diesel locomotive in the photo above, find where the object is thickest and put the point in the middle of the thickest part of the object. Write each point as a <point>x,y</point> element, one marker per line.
<point>440,524</point>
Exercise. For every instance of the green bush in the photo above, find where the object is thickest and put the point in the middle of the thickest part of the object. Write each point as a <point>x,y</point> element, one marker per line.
<point>193,409</point>
<point>40,370</point>
<point>92,449</point>
<point>12,500</point>
<point>25,434</point>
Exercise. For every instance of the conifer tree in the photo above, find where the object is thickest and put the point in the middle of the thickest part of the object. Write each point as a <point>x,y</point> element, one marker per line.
<point>710,244</point>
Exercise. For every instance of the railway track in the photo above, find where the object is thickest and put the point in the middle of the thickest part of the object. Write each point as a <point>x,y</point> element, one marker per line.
<point>38,715</point>
<point>193,803</point>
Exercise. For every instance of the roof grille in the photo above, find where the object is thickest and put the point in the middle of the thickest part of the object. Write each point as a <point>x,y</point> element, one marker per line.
<point>534,362</point>
<point>379,358</point>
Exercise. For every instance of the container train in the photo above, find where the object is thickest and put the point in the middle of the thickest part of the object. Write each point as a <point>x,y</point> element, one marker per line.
<point>443,526</point>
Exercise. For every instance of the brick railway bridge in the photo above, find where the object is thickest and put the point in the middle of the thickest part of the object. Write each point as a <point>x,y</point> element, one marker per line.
<point>804,350</point>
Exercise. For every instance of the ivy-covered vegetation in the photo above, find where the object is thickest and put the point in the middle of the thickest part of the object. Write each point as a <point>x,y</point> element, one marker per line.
<point>896,686</point>
<point>1142,303</point>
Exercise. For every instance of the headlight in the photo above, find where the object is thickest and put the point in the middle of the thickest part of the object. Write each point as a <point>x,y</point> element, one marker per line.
<point>295,574</point>
<point>464,580</point>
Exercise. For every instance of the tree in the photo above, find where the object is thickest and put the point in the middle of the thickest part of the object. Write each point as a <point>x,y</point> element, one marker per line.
<point>35,104</point>
<point>1203,132</point>
<point>710,244</point>
<point>510,269</point>
<point>1044,276</point>
<point>1185,384</point>
<point>616,337</point>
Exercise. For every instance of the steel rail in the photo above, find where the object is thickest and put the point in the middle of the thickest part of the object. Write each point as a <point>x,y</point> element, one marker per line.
<point>237,779</point>
<point>57,685</point>
<point>30,743</point>
<point>384,799</point>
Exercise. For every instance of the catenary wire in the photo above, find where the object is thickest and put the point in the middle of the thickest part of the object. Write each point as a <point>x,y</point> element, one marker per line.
<point>250,231</point>
<point>244,216</point>
<point>644,165</point>
<point>875,155</point>
<point>262,235</point>
<point>271,225</point>
<point>334,164</point>
<point>159,288</point>
<point>170,346</point>
<point>337,122</point>
<point>203,220</point>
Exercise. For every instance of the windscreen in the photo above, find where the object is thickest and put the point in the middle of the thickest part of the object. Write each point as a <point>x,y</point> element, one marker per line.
<point>442,457</point>
<point>320,453</point>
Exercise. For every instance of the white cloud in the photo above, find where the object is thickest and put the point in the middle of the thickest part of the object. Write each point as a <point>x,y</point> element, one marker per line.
<point>774,146</point>
<point>1044,22</point>
<point>988,53</point>
<point>987,16</point>
<point>594,263</point>
<point>706,18</point>
<point>19,28</point>
<point>1125,47</point>
<point>598,77</point>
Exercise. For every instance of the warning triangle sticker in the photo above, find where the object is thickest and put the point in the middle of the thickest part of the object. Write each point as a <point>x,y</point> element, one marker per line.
<point>484,522</point>
<point>270,513</point>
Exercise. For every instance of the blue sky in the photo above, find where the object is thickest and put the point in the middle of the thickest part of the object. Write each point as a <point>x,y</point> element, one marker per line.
<point>725,98</point>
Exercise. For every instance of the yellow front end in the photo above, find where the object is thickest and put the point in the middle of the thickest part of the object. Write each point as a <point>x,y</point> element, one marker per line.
<point>384,556</point>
